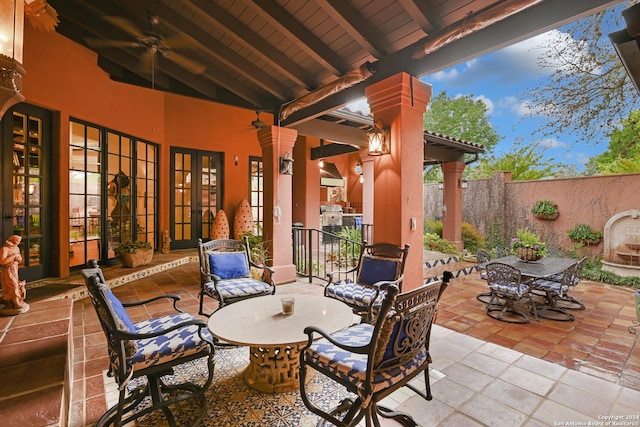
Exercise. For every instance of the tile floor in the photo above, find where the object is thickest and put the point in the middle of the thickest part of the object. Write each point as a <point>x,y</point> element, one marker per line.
<point>543,373</point>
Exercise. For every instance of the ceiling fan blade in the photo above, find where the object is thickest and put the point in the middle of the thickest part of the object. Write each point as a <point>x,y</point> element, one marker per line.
<point>125,25</point>
<point>103,43</point>
<point>189,64</point>
<point>177,41</point>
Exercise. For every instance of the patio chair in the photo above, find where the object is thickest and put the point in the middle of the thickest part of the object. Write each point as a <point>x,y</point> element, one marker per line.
<point>507,290</point>
<point>227,273</point>
<point>149,350</point>
<point>378,266</point>
<point>553,291</point>
<point>567,301</point>
<point>483,257</point>
<point>374,360</point>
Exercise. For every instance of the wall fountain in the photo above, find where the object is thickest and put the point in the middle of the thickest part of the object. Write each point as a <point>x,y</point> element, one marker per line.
<point>622,244</point>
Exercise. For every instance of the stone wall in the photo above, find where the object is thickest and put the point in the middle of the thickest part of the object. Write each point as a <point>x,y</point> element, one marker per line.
<point>503,205</point>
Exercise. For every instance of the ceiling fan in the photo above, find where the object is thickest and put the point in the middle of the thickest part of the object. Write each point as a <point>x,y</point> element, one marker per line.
<point>151,42</point>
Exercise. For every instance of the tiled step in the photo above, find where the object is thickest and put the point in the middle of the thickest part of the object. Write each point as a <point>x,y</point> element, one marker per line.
<point>433,268</point>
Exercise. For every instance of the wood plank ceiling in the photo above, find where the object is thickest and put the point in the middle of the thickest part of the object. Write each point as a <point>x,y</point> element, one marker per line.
<point>266,54</point>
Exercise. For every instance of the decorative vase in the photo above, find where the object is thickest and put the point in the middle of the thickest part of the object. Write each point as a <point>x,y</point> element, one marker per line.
<point>527,254</point>
<point>140,257</point>
<point>547,217</point>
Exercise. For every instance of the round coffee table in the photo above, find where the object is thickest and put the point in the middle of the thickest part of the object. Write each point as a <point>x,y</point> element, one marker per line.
<point>275,339</point>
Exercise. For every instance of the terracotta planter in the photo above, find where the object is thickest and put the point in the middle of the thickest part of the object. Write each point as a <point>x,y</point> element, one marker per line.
<point>547,217</point>
<point>527,254</point>
<point>137,258</point>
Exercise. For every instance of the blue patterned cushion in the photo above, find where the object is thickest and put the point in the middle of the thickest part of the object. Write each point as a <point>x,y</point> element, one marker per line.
<point>551,286</point>
<point>229,265</point>
<point>355,294</point>
<point>375,269</point>
<point>351,366</point>
<point>559,276</point>
<point>119,311</point>
<point>173,345</point>
<point>509,288</point>
<point>235,288</point>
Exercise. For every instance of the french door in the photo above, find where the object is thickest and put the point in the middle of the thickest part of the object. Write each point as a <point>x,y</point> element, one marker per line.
<point>26,190</point>
<point>196,195</point>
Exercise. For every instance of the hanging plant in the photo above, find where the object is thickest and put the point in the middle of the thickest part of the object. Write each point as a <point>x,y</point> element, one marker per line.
<point>545,209</point>
<point>583,233</point>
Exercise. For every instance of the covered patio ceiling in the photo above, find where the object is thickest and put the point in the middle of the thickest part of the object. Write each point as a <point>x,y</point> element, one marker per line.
<point>300,60</point>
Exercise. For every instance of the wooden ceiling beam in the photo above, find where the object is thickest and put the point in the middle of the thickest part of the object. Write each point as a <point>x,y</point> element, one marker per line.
<point>221,52</point>
<point>252,41</point>
<point>358,28</point>
<point>312,45</point>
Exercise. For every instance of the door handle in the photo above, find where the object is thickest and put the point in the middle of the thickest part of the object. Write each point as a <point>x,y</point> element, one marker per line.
<point>7,217</point>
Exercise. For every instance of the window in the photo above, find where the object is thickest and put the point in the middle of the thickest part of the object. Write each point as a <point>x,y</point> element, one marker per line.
<point>110,200</point>
<point>256,190</point>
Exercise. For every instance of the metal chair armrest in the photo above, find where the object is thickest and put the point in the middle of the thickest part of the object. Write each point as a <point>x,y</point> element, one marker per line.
<point>310,330</point>
<point>173,297</point>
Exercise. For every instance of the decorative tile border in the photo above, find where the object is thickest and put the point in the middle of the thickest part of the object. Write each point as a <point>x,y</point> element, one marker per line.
<point>122,280</point>
<point>443,261</point>
<point>456,273</point>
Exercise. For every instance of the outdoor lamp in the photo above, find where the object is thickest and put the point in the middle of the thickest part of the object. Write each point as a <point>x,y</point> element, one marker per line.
<point>379,143</point>
<point>286,164</point>
<point>11,38</point>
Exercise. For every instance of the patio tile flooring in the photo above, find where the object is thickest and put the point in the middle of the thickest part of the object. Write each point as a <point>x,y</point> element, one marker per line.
<point>494,373</point>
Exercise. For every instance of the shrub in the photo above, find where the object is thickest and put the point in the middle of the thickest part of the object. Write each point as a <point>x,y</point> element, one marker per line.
<point>433,242</point>
<point>132,247</point>
<point>471,237</point>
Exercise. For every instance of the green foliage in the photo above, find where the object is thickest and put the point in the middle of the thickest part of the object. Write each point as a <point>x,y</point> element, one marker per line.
<point>525,161</point>
<point>588,88</point>
<point>545,207</point>
<point>592,270</point>
<point>528,239</point>
<point>257,248</point>
<point>493,238</point>
<point>348,248</point>
<point>623,153</point>
<point>471,238</point>
<point>433,242</point>
<point>433,226</point>
<point>132,246</point>
<point>461,117</point>
<point>583,232</point>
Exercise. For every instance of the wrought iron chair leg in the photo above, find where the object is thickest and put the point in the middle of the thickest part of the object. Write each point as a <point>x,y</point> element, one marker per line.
<point>634,325</point>
<point>401,417</point>
<point>506,308</point>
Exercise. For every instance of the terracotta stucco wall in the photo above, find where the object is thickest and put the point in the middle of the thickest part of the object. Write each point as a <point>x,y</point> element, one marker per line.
<point>63,76</point>
<point>502,204</point>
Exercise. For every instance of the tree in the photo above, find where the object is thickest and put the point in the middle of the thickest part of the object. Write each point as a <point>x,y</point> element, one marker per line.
<point>623,152</point>
<point>588,91</point>
<point>525,162</point>
<point>461,117</point>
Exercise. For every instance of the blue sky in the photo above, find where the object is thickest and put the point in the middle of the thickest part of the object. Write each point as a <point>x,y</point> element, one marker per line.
<point>500,79</point>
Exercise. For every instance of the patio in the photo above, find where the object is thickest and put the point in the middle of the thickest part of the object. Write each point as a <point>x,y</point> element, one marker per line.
<point>535,374</point>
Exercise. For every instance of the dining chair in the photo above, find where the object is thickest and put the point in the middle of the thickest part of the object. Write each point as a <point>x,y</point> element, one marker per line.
<point>567,301</point>
<point>378,266</point>
<point>482,257</point>
<point>150,350</point>
<point>507,293</point>
<point>373,360</point>
<point>553,292</point>
<point>228,274</point>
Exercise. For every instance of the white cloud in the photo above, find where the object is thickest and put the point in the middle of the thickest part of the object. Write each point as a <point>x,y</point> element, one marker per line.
<point>487,102</point>
<point>552,143</point>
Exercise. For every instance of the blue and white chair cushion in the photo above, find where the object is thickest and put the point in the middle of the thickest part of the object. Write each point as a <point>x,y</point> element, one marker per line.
<point>175,344</point>
<point>509,288</point>
<point>551,286</point>
<point>355,294</point>
<point>237,288</point>
<point>352,367</point>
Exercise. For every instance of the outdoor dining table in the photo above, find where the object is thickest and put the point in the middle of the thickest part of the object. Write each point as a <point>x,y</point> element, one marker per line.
<point>543,268</point>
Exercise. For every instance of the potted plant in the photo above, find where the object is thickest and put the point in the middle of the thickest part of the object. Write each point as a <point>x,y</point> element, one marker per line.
<point>545,209</point>
<point>527,245</point>
<point>135,253</point>
<point>583,233</point>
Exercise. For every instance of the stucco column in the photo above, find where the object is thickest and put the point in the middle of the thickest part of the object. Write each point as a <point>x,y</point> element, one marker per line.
<point>278,191</point>
<point>452,219</point>
<point>400,102</point>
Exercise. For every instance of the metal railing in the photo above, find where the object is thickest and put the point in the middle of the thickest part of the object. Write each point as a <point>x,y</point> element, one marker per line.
<point>317,252</point>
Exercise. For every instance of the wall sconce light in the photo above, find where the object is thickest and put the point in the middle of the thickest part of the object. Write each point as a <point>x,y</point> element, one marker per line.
<point>11,39</point>
<point>441,186</point>
<point>379,143</point>
<point>359,168</point>
<point>462,183</point>
<point>286,164</point>
<point>361,179</point>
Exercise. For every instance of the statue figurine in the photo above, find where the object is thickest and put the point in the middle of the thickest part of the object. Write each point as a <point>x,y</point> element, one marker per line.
<point>13,289</point>
<point>166,242</point>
